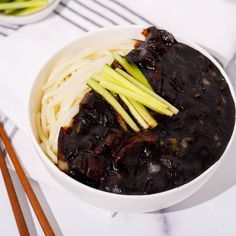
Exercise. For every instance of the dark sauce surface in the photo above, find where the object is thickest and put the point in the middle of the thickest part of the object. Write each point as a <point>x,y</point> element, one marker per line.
<point>102,155</point>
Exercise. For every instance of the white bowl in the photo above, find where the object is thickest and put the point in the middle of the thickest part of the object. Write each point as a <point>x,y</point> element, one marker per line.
<point>105,200</point>
<point>30,18</point>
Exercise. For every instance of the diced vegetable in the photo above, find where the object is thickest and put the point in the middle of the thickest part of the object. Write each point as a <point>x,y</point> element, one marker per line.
<point>113,102</point>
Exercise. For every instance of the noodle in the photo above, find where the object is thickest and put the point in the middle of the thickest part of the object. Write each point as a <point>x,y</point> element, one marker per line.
<point>66,86</point>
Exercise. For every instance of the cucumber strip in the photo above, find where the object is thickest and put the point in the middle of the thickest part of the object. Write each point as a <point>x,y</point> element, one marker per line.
<point>133,70</point>
<point>141,110</point>
<point>28,11</point>
<point>141,86</point>
<point>128,85</point>
<point>16,5</point>
<point>108,78</point>
<point>133,111</point>
<point>97,77</point>
<point>138,74</point>
<point>11,12</point>
<point>144,113</point>
<point>143,100</point>
<point>113,102</point>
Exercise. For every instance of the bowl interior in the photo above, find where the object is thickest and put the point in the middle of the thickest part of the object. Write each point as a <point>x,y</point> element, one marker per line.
<point>103,37</point>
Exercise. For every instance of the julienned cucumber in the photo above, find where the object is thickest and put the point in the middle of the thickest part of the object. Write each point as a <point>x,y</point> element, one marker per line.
<point>113,102</point>
<point>150,92</point>
<point>127,84</point>
<point>134,90</point>
<point>21,7</point>
<point>133,70</point>
<point>134,112</point>
<point>130,94</point>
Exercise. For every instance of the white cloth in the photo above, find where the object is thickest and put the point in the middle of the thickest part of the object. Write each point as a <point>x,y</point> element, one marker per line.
<point>23,53</point>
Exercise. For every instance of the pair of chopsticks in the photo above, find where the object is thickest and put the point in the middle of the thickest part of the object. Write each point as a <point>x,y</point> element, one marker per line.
<point>19,217</point>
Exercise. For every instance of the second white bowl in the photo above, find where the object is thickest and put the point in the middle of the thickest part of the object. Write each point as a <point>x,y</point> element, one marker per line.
<point>31,18</point>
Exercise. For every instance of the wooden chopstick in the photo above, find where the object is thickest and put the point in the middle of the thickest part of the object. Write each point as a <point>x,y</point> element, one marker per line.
<point>19,217</point>
<point>26,185</point>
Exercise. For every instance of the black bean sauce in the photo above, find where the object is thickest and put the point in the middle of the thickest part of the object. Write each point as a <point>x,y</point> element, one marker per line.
<point>102,155</point>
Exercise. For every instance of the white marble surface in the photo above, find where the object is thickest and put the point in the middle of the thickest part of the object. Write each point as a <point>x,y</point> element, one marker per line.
<point>210,211</point>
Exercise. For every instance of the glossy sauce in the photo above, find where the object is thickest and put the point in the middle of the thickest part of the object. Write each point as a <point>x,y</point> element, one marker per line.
<point>102,155</point>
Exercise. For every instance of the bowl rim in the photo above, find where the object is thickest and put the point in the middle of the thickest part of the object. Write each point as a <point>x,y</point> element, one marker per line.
<point>79,185</point>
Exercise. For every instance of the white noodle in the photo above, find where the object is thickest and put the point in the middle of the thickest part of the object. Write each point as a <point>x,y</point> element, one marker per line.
<point>66,86</point>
